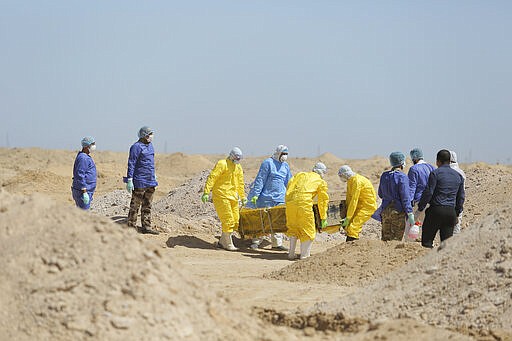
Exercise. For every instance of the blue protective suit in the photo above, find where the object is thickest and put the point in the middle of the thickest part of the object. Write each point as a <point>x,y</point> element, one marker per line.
<point>84,176</point>
<point>141,165</point>
<point>394,187</point>
<point>270,183</point>
<point>418,178</point>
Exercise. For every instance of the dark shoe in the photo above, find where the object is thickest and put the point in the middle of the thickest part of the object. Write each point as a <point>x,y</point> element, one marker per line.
<point>144,230</point>
<point>351,239</point>
<point>280,248</point>
<point>426,244</point>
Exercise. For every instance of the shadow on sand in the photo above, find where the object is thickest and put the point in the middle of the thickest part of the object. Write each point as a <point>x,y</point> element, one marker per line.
<point>189,241</point>
<point>265,254</point>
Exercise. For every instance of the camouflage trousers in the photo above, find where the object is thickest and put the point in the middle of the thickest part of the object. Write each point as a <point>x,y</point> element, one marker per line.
<point>144,197</point>
<point>393,223</point>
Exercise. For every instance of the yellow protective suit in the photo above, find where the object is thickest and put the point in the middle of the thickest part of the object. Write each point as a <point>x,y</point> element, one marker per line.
<point>226,182</point>
<point>361,203</point>
<point>301,190</point>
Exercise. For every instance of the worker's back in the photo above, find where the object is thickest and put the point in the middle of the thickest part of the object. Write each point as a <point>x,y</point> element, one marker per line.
<point>304,186</point>
<point>366,196</point>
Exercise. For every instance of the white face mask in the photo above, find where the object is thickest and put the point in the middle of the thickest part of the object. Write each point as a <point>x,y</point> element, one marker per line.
<point>283,158</point>
<point>236,162</point>
<point>149,138</point>
<point>92,147</point>
<point>343,178</point>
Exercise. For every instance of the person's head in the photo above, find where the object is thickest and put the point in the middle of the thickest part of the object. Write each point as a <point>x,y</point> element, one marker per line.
<point>320,169</point>
<point>345,173</point>
<point>443,157</point>
<point>146,134</point>
<point>88,144</point>
<point>235,155</point>
<point>453,157</point>
<point>397,160</point>
<point>281,153</point>
<point>416,155</point>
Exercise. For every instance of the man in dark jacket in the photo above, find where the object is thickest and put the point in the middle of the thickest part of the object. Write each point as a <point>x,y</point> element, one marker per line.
<point>445,195</point>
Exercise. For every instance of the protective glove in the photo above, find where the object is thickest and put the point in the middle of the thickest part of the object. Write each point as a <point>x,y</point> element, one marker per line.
<point>244,201</point>
<point>204,197</point>
<point>129,185</point>
<point>85,198</point>
<point>254,199</point>
<point>410,218</point>
<point>323,223</point>
<point>344,222</point>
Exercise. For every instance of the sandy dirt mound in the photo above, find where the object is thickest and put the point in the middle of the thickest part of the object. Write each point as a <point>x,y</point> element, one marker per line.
<point>74,275</point>
<point>183,164</point>
<point>185,201</point>
<point>349,264</point>
<point>465,286</point>
<point>113,204</point>
<point>182,210</point>
<point>36,158</point>
<point>340,327</point>
<point>46,182</point>
<point>487,187</point>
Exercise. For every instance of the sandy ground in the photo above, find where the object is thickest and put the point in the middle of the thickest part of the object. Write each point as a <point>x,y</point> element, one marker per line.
<point>70,274</point>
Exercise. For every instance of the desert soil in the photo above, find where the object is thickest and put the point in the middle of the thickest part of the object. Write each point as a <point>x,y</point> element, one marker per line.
<point>69,274</point>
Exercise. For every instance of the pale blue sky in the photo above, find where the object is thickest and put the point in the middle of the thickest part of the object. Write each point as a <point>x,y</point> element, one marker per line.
<point>354,78</point>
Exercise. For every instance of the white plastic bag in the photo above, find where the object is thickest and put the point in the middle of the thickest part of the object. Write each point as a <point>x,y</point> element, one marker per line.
<point>412,232</point>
